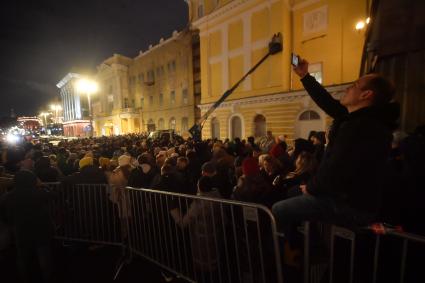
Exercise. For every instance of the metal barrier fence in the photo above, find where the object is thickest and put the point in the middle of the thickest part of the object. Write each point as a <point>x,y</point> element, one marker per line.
<point>373,254</point>
<point>204,239</point>
<point>85,213</point>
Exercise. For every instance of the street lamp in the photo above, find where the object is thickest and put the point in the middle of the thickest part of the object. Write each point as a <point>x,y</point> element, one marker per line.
<point>89,87</point>
<point>362,24</point>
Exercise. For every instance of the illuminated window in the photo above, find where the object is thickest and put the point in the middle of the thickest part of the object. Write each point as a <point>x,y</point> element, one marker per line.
<point>215,128</point>
<point>161,124</point>
<point>259,126</point>
<point>172,123</point>
<point>315,70</point>
<point>200,10</point>
<point>185,97</point>
<point>141,78</point>
<point>185,124</point>
<point>172,97</point>
<point>309,115</point>
<point>161,99</point>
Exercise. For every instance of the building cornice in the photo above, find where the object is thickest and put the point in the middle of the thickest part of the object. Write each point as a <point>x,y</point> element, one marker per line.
<point>161,43</point>
<point>223,11</point>
<point>304,4</point>
<point>76,122</point>
<point>219,12</point>
<point>282,97</point>
<point>67,78</point>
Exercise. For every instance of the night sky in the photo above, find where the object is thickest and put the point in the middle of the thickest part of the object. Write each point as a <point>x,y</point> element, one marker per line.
<point>41,41</point>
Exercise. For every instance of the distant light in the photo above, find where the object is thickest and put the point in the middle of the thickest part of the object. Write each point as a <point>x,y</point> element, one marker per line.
<point>367,20</point>
<point>360,25</point>
<point>11,138</point>
<point>86,86</point>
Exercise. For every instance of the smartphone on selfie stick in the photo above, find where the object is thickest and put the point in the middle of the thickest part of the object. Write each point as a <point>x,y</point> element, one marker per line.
<point>295,59</point>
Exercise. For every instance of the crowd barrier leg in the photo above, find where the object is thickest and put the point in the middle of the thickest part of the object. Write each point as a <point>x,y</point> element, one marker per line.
<point>347,234</point>
<point>306,252</point>
<point>84,213</point>
<point>209,240</point>
<point>315,251</point>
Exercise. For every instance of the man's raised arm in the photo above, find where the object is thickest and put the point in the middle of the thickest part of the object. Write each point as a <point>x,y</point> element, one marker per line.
<point>318,93</point>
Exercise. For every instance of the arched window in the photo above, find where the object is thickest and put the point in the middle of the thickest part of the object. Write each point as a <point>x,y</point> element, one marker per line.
<point>259,126</point>
<point>308,121</point>
<point>235,127</point>
<point>151,125</point>
<point>185,124</point>
<point>215,128</point>
<point>172,123</point>
<point>309,115</point>
<point>161,124</point>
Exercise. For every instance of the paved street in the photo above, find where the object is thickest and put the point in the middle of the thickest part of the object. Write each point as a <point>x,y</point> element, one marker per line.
<point>77,264</point>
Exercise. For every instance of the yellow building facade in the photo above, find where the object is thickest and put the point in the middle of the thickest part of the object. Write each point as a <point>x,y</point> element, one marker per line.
<point>234,35</point>
<point>152,91</point>
<point>112,115</point>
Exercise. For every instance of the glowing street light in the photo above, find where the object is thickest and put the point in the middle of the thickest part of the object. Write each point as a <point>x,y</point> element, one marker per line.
<point>88,87</point>
<point>362,24</point>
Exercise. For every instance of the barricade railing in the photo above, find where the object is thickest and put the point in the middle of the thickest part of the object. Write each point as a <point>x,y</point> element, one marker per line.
<point>378,253</point>
<point>204,239</point>
<point>85,213</point>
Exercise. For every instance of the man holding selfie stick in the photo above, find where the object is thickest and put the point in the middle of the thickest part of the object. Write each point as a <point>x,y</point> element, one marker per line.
<point>347,187</point>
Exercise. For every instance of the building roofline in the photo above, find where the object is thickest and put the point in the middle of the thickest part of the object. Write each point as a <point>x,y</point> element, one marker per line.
<point>67,78</point>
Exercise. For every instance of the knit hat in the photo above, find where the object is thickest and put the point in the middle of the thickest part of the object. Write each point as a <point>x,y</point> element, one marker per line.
<point>250,167</point>
<point>124,160</point>
<point>85,162</point>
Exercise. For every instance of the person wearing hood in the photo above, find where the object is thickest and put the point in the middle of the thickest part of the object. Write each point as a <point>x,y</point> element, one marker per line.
<point>346,189</point>
<point>25,210</point>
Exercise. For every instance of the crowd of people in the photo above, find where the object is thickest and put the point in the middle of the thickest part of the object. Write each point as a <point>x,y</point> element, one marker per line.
<point>360,171</point>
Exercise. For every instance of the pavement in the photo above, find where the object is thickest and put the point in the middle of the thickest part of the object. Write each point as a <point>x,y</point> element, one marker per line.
<point>79,263</point>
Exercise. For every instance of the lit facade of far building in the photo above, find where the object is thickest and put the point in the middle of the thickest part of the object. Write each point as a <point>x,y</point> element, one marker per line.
<point>152,91</point>
<point>234,36</point>
<point>74,106</point>
<point>113,111</point>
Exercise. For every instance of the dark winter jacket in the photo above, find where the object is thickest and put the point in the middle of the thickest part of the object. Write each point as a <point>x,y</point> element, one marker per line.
<point>89,174</point>
<point>359,144</point>
<point>26,210</point>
